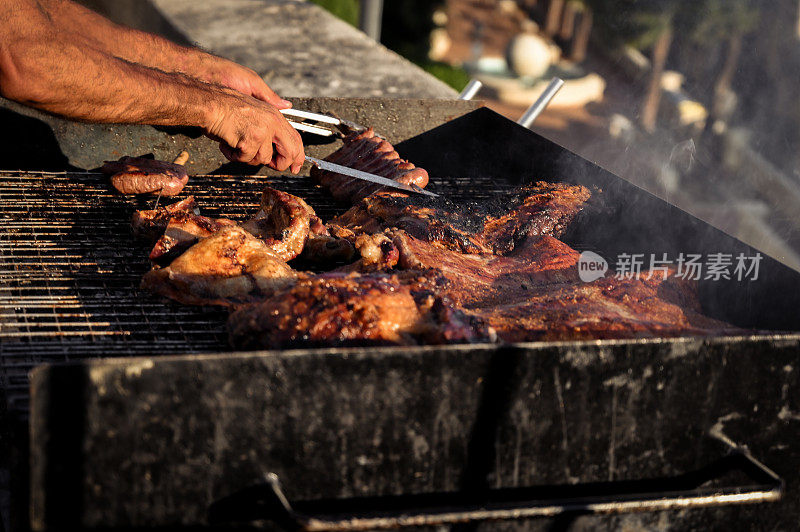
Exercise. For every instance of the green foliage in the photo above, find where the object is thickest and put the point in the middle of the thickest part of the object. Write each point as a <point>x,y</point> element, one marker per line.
<point>346,10</point>
<point>406,28</point>
<point>453,76</point>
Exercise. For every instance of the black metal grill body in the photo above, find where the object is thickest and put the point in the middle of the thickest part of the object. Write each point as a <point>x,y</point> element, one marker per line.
<point>155,441</point>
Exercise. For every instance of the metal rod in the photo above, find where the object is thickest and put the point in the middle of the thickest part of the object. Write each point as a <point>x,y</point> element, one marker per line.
<point>470,90</point>
<point>369,19</point>
<point>539,105</point>
<point>311,116</point>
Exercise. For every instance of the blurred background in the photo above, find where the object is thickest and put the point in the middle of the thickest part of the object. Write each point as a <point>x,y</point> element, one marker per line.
<point>694,101</point>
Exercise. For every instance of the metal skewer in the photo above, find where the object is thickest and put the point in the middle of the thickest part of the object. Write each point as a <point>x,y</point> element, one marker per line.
<point>470,90</point>
<point>539,105</point>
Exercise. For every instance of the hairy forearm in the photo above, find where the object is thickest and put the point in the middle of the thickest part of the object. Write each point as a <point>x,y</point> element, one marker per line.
<point>86,84</point>
<point>123,42</point>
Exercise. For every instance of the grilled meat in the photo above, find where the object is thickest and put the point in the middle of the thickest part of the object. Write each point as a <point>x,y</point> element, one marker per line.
<point>283,222</point>
<point>535,293</point>
<point>429,270</point>
<point>478,281</point>
<point>367,152</point>
<point>184,230</point>
<point>291,227</point>
<point>227,268</point>
<point>150,224</point>
<point>139,175</point>
<point>341,309</point>
<point>490,227</point>
<point>605,308</point>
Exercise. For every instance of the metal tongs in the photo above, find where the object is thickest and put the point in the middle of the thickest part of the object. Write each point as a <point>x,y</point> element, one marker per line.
<point>319,124</point>
<point>342,127</point>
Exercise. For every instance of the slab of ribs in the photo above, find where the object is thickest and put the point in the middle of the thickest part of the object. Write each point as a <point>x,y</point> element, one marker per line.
<point>396,269</point>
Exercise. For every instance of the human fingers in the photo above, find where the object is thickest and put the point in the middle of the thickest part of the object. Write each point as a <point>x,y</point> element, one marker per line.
<point>289,146</point>
<point>297,164</point>
<point>265,154</point>
<point>280,162</point>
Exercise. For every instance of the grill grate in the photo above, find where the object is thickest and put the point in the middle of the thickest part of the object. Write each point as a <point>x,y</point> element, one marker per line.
<point>70,269</point>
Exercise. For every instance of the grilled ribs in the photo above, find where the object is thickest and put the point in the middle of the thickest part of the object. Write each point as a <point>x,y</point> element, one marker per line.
<point>535,292</point>
<point>367,152</point>
<point>491,227</point>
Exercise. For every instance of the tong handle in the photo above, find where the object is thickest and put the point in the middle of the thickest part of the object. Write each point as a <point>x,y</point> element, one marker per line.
<point>325,119</point>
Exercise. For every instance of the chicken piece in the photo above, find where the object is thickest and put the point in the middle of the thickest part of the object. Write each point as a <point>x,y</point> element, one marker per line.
<point>139,175</point>
<point>227,268</point>
<point>183,231</point>
<point>151,224</point>
<point>283,222</point>
<point>342,309</point>
<point>489,227</point>
<point>367,152</point>
<point>324,251</point>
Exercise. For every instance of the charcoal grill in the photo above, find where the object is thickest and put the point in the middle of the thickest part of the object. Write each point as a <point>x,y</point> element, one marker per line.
<point>190,438</point>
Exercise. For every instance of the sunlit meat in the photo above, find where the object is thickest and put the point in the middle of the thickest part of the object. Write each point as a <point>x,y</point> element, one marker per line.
<point>367,152</point>
<point>497,226</point>
<point>342,309</point>
<point>150,224</point>
<point>139,175</point>
<point>227,268</point>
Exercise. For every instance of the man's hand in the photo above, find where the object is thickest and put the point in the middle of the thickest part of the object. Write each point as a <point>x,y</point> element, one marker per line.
<point>64,59</point>
<point>255,132</point>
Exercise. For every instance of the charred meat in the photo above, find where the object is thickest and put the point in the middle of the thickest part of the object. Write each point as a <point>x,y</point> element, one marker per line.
<point>341,310</point>
<point>151,224</point>
<point>184,230</point>
<point>491,227</point>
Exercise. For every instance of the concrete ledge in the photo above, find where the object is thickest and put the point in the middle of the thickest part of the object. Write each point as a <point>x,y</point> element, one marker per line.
<point>300,49</point>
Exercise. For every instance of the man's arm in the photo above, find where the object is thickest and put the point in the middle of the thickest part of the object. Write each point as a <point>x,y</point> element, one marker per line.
<point>154,51</point>
<point>42,67</point>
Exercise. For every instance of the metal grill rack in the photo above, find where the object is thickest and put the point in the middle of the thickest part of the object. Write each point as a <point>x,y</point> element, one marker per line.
<point>70,269</point>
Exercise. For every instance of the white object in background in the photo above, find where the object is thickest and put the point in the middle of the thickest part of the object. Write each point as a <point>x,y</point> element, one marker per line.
<point>529,55</point>
<point>440,44</point>
<point>470,90</point>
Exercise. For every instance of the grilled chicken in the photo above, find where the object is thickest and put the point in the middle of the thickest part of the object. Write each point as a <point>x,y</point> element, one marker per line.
<point>184,230</point>
<point>283,222</point>
<point>139,175</point>
<point>367,152</point>
<point>352,309</point>
<point>150,224</point>
<point>227,268</point>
